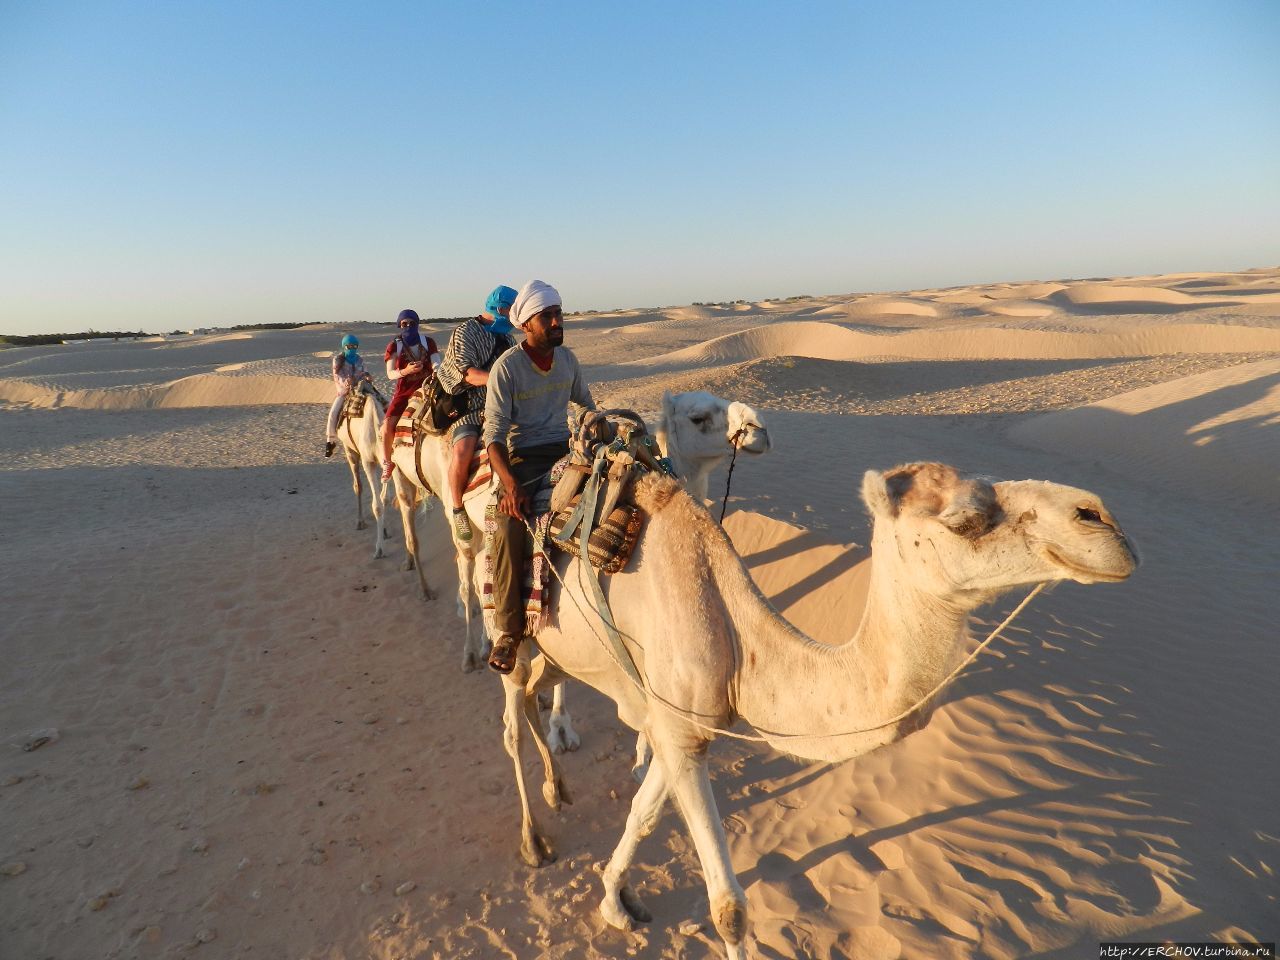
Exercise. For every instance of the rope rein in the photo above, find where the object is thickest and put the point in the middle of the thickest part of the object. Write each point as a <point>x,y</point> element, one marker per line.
<point>675,711</point>
<point>724,505</point>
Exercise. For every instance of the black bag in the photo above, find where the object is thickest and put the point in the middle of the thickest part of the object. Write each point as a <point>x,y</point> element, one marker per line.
<point>440,408</point>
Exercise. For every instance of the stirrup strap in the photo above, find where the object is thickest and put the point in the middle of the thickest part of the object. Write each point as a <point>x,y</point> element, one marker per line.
<point>585,513</point>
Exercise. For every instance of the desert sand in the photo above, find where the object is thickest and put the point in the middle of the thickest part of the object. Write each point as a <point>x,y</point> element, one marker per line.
<point>259,742</point>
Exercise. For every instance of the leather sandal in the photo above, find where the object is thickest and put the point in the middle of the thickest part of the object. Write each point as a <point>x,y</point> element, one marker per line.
<point>502,657</point>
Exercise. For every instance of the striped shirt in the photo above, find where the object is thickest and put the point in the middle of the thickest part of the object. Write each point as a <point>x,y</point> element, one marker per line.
<point>470,345</point>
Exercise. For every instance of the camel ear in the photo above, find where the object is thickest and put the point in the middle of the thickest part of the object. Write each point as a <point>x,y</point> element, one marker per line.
<point>972,511</point>
<point>875,494</point>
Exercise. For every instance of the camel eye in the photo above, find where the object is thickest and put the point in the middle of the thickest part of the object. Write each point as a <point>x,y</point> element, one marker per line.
<point>1087,515</point>
<point>700,420</point>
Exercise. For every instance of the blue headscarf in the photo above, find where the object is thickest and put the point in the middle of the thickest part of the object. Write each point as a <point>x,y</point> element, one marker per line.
<point>410,334</point>
<point>499,298</point>
<point>349,347</point>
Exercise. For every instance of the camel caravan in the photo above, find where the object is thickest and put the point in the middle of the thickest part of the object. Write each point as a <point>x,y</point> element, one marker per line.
<point>585,547</point>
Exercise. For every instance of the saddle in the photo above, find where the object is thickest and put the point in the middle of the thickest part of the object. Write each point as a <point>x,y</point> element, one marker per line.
<point>591,503</point>
<point>353,406</point>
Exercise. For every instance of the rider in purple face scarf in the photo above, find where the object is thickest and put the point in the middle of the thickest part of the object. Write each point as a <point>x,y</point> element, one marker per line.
<point>408,334</point>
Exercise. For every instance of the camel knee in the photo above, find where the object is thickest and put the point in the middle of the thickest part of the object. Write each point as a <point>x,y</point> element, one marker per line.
<point>730,919</point>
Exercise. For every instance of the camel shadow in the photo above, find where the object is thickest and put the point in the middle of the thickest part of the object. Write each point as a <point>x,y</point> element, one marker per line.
<point>1212,455</point>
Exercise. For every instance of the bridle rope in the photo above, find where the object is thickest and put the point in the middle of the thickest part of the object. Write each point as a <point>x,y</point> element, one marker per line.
<point>729,479</point>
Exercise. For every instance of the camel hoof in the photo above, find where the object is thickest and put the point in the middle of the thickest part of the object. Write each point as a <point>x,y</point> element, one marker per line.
<point>428,594</point>
<point>361,525</point>
<point>472,663</point>
<point>625,910</point>
<point>408,564</point>
<point>378,554</point>
<point>536,851</point>
<point>556,792</point>
<point>562,738</point>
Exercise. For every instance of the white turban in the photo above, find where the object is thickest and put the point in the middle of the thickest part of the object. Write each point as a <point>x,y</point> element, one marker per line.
<point>534,297</point>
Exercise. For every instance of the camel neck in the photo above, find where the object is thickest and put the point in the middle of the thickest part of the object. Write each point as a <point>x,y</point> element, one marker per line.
<point>905,643</point>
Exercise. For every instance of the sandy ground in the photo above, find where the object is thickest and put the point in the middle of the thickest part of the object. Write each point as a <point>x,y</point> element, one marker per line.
<point>264,747</point>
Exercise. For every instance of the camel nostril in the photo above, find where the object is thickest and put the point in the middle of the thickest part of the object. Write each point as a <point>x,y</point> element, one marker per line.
<point>1089,515</point>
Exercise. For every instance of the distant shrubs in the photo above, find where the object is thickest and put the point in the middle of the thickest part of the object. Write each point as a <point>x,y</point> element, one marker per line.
<point>43,339</point>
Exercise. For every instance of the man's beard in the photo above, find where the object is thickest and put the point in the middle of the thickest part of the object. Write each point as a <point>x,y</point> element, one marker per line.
<point>555,338</point>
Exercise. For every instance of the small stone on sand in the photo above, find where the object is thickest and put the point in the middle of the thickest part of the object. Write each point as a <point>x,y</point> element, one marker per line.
<point>407,887</point>
<point>13,868</point>
<point>371,886</point>
<point>206,935</point>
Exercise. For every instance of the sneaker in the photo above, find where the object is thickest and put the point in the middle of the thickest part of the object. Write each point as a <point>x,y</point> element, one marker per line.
<point>462,526</point>
<point>387,469</point>
<point>328,448</point>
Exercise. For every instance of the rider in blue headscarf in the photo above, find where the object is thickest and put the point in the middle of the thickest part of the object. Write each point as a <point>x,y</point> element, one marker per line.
<point>473,347</point>
<point>348,370</point>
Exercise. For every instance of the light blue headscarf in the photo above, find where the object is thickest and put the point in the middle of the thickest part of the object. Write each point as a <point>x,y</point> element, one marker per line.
<point>499,298</point>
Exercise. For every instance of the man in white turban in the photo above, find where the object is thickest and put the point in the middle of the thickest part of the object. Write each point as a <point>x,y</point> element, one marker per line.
<point>526,432</point>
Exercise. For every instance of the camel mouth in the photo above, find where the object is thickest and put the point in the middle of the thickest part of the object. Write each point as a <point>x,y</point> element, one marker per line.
<point>1089,573</point>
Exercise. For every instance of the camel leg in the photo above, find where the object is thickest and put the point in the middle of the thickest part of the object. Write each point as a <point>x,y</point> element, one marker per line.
<point>560,725</point>
<point>644,754</point>
<point>686,768</point>
<point>406,497</point>
<point>621,907</point>
<point>377,492</point>
<point>353,461</point>
<point>473,653</point>
<point>554,789</point>
<point>535,849</point>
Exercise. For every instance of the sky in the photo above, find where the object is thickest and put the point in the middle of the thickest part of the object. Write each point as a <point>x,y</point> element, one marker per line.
<point>170,165</point>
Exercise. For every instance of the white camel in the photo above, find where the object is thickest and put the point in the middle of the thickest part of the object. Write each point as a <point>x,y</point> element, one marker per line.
<point>699,431</point>
<point>363,451</point>
<point>711,650</point>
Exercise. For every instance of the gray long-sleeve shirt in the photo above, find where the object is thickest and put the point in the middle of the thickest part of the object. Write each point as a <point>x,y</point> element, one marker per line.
<point>525,406</point>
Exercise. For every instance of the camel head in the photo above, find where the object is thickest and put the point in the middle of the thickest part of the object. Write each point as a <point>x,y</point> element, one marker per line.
<point>746,429</point>
<point>968,540</point>
<point>702,426</point>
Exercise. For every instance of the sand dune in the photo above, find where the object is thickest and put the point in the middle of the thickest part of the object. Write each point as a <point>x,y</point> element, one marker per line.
<point>1212,435</point>
<point>264,747</point>
<point>833,342</point>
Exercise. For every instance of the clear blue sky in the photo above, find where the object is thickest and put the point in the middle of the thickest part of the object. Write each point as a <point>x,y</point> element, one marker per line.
<point>239,161</point>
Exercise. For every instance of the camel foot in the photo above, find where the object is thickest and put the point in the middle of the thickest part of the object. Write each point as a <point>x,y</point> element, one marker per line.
<point>361,525</point>
<point>561,736</point>
<point>408,564</point>
<point>624,910</point>
<point>428,594</point>
<point>378,553</point>
<point>556,792</point>
<point>472,661</point>
<point>536,850</point>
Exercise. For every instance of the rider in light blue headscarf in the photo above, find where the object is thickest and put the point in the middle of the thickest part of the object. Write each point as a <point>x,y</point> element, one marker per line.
<point>348,370</point>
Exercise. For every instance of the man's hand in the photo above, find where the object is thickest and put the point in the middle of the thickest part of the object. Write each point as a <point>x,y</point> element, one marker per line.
<point>515,501</point>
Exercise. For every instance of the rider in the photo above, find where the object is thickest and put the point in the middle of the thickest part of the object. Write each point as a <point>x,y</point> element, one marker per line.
<point>526,432</point>
<point>348,370</point>
<point>409,360</point>
<point>472,350</point>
